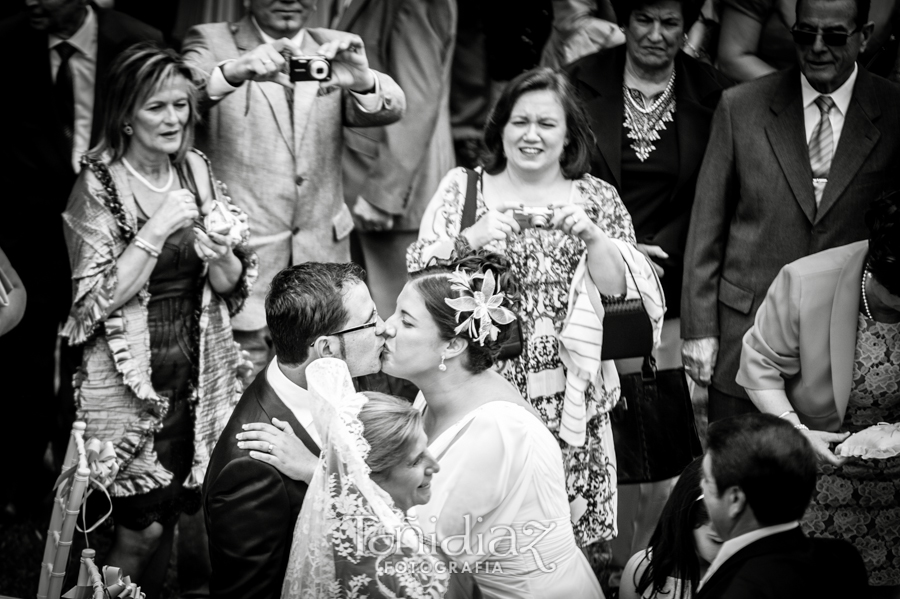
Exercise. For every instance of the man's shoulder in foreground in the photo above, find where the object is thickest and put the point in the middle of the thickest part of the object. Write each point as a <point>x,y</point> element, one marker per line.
<point>790,565</point>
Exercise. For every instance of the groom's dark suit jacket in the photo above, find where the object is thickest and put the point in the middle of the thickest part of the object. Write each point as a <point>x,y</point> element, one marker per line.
<point>250,507</point>
<point>789,565</point>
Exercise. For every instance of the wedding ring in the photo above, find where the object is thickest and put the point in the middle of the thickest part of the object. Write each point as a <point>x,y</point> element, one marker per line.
<point>271,447</point>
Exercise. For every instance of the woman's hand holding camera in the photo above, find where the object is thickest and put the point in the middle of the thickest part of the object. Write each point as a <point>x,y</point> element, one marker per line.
<point>573,220</point>
<point>177,211</point>
<point>494,225</point>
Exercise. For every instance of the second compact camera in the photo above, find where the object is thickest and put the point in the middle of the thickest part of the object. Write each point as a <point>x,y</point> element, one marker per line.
<point>309,68</point>
<point>533,217</point>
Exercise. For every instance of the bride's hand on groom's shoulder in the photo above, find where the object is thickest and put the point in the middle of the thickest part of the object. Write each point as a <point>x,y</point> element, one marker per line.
<point>277,445</point>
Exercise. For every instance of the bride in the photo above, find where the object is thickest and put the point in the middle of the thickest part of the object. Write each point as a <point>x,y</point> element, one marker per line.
<point>499,508</point>
<point>352,538</point>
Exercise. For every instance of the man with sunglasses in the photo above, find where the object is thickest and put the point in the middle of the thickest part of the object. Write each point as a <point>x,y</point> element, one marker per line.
<point>313,310</point>
<point>794,159</point>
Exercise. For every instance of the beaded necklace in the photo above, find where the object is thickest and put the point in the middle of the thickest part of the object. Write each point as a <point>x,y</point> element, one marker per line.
<point>645,123</point>
<point>865,277</point>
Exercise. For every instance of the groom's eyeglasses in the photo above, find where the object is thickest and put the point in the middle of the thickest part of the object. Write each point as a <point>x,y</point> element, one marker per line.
<point>805,37</point>
<point>368,325</point>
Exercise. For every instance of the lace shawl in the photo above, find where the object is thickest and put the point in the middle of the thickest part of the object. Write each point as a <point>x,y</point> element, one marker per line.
<point>350,540</point>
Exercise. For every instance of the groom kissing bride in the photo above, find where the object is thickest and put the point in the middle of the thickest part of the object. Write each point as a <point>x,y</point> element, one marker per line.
<point>496,466</point>
<point>313,310</point>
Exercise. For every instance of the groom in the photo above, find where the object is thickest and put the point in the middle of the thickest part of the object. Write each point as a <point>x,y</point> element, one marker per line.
<point>313,310</point>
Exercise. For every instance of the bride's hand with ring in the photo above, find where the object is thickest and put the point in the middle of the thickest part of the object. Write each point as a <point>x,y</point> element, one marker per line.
<point>277,445</point>
<point>494,225</point>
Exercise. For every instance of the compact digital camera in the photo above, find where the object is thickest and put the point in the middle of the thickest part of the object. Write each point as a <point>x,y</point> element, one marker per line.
<point>309,68</point>
<point>533,217</point>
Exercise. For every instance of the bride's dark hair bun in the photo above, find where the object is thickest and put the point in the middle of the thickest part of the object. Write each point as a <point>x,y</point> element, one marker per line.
<point>435,287</point>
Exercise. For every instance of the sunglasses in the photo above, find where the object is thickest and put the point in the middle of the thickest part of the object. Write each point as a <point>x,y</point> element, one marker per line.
<point>368,325</point>
<point>805,37</point>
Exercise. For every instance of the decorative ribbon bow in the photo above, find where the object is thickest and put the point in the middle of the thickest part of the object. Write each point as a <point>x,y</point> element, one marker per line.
<point>118,585</point>
<point>485,306</point>
<point>104,466</point>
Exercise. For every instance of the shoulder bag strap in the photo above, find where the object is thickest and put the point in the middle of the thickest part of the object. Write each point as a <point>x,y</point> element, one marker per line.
<point>469,208</point>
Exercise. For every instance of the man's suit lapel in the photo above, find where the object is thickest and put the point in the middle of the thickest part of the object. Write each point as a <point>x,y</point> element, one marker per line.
<point>246,38</point>
<point>349,17</point>
<point>858,138</point>
<point>105,54</point>
<point>40,82</point>
<point>272,405</point>
<point>787,135</point>
<point>781,543</point>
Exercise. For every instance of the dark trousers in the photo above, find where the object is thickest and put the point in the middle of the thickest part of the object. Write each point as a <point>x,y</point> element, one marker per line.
<point>723,405</point>
<point>31,406</point>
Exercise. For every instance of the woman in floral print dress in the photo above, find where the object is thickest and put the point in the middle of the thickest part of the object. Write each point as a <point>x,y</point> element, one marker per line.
<point>539,145</point>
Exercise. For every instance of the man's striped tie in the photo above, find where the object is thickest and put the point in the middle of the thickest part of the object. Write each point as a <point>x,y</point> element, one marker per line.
<point>821,146</point>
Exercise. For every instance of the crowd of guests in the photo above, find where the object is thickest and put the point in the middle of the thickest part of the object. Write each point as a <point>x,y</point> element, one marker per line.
<point>196,293</point>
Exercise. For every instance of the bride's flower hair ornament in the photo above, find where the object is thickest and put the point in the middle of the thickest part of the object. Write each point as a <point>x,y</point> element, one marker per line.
<point>485,306</point>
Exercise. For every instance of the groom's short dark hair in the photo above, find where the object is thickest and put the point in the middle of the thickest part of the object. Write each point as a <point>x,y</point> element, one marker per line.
<point>306,301</point>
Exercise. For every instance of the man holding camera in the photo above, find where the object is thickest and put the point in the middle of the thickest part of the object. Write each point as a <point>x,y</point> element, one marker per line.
<point>277,143</point>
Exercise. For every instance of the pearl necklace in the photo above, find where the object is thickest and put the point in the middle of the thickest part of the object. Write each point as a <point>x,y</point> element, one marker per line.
<point>141,178</point>
<point>863,288</point>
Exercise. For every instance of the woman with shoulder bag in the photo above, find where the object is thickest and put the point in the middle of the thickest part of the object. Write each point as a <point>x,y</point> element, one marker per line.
<point>570,241</point>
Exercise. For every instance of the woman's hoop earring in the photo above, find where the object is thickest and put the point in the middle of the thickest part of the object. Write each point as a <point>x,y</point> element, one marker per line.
<point>127,129</point>
<point>442,367</point>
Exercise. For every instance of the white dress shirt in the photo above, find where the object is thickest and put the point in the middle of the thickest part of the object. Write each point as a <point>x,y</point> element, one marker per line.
<point>295,397</point>
<point>812,114</point>
<point>218,86</point>
<point>732,546</point>
<point>83,65</point>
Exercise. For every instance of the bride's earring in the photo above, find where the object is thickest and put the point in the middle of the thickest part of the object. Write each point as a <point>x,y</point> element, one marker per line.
<point>442,367</point>
<point>127,129</point>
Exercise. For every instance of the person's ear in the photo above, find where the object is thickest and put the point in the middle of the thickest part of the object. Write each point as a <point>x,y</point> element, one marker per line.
<point>866,35</point>
<point>455,346</point>
<point>328,346</point>
<point>736,501</point>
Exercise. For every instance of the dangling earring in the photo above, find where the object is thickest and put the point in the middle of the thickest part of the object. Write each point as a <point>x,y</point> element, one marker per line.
<point>127,129</point>
<point>442,367</point>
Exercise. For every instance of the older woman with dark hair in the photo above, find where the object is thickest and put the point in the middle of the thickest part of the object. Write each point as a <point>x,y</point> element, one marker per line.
<point>154,290</point>
<point>650,106</point>
<point>824,353</point>
<point>539,147</point>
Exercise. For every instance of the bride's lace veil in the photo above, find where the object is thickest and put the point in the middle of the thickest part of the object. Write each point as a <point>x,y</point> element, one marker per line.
<point>350,540</point>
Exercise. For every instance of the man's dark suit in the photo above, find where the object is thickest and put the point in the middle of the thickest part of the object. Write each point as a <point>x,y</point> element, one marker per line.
<point>36,177</point>
<point>698,87</point>
<point>789,565</point>
<point>250,507</point>
<point>755,208</point>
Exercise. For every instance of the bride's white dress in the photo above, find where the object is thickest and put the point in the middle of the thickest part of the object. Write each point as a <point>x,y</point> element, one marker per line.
<point>499,507</point>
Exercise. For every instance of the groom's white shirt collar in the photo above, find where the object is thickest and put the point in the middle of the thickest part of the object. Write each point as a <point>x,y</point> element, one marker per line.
<point>295,397</point>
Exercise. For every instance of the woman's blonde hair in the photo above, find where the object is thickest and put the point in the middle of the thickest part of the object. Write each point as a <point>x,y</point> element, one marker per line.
<point>391,426</point>
<point>138,73</point>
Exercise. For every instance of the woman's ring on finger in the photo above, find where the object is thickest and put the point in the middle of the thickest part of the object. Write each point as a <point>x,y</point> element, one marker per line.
<point>271,448</point>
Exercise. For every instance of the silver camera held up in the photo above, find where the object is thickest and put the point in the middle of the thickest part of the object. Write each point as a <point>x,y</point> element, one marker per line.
<point>533,217</point>
<point>309,68</point>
